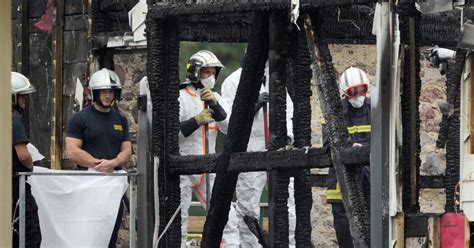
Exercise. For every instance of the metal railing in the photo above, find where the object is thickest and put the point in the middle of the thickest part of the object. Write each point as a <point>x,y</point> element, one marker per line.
<point>132,192</point>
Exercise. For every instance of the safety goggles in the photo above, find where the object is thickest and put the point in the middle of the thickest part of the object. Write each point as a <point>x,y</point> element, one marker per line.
<point>356,90</point>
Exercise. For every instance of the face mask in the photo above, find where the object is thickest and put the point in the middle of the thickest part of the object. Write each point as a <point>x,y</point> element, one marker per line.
<point>357,101</point>
<point>209,82</point>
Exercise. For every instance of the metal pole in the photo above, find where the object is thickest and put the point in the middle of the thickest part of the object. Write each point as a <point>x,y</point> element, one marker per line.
<point>22,211</point>
<point>133,214</point>
<point>380,145</point>
<point>145,181</point>
<point>206,152</point>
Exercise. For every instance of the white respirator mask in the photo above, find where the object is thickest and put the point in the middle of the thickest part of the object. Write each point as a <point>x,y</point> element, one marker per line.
<point>357,101</point>
<point>209,82</point>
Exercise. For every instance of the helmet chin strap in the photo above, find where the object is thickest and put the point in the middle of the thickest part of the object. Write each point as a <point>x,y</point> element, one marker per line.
<point>99,102</point>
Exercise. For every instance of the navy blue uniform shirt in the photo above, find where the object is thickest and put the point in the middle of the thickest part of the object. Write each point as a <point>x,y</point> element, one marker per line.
<point>101,133</point>
<point>18,137</point>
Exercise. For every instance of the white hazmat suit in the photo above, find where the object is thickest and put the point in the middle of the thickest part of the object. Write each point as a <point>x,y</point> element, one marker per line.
<point>250,185</point>
<point>190,106</point>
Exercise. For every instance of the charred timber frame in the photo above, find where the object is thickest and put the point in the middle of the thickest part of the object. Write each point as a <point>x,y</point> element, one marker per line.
<point>411,88</point>
<point>162,62</point>
<point>453,93</point>
<point>167,24</point>
<point>353,199</point>
<point>278,30</point>
<point>240,125</point>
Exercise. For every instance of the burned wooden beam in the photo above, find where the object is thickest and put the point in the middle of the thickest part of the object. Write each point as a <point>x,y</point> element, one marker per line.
<point>284,160</point>
<point>317,180</point>
<point>411,88</point>
<point>110,17</point>
<point>235,27</point>
<point>348,23</point>
<point>432,182</point>
<point>278,29</point>
<point>225,7</point>
<point>355,156</point>
<point>240,126</point>
<point>193,164</point>
<point>300,81</point>
<point>417,224</point>
<point>162,64</point>
<point>453,160</point>
<point>353,199</point>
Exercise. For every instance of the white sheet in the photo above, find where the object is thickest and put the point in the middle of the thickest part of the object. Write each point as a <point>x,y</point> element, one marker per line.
<point>77,211</point>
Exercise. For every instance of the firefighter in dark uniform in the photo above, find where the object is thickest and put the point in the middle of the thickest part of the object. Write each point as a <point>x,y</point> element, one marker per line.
<point>22,162</point>
<point>97,137</point>
<point>353,85</point>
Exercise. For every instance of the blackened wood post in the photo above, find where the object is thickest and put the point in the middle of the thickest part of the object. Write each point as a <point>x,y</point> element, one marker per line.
<point>411,88</point>
<point>240,126</point>
<point>278,181</point>
<point>25,39</point>
<point>23,59</point>
<point>454,76</point>
<point>353,198</point>
<point>57,111</point>
<point>301,82</point>
<point>162,64</point>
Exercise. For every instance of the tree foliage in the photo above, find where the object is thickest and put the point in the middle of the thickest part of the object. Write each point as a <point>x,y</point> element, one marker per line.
<point>229,54</point>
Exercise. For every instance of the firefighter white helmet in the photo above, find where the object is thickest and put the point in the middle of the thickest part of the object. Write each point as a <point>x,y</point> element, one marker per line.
<point>20,86</point>
<point>198,61</point>
<point>354,85</point>
<point>353,82</point>
<point>104,79</point>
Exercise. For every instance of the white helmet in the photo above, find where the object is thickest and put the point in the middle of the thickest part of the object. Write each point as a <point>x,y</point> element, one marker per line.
<point>353,82</point>
<point>20,86</point>
<point>105,79</point>
<point>199,60</point>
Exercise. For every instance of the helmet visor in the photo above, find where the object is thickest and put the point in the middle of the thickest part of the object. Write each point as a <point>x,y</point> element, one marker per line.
<point>356,90</point>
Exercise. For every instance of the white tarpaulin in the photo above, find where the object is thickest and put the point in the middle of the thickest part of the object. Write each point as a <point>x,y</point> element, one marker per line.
<point>77,211</point>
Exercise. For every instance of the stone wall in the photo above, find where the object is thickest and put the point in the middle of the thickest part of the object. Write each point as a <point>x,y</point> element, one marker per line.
<point>131,68</point>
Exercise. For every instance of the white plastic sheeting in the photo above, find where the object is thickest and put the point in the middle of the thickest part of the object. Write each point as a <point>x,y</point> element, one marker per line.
<point>77,211</point>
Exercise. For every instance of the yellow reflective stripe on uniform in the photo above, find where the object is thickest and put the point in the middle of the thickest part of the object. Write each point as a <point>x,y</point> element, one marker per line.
<point>359,129</point>
<point>334,194</point>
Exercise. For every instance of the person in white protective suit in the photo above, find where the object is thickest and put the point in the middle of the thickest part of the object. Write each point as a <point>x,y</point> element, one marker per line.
<point>439,58</point>
<point>250,185</point>
<point>200,106</point>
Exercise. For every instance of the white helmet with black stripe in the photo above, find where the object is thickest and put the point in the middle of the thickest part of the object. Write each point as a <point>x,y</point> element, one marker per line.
<point>199,60</point>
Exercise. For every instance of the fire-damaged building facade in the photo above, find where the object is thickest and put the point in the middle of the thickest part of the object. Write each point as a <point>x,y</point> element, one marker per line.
<point>59,44</point>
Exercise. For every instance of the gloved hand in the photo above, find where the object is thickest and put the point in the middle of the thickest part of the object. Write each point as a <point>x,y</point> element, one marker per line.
<point>205,117</point>
<point>263,98</point>
<point>208,96</point>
